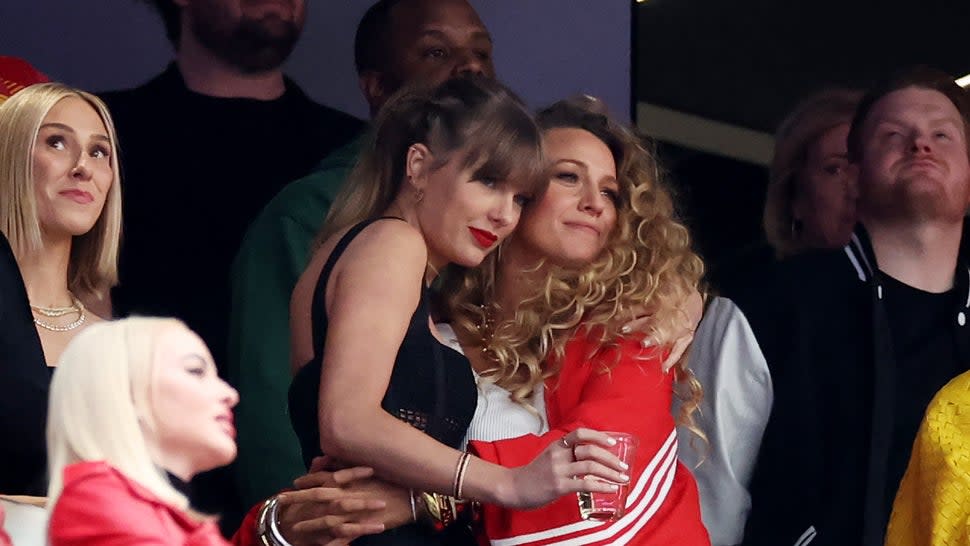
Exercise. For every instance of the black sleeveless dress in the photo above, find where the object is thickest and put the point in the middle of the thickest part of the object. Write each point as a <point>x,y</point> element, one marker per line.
<point>431,388</point>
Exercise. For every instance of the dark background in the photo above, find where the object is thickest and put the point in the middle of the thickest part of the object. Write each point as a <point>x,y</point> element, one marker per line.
<point>746,63</point>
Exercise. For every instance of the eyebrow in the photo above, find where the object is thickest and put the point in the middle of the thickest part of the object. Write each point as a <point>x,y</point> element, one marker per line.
<point>585,167</point>
<point>69,129</point>
<point>196,356</point>
<point>436,33</point>
<point>935,121</point>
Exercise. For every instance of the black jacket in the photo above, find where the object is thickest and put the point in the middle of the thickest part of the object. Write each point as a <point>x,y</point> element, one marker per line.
<point>24,383</point>
<point>824,473</point>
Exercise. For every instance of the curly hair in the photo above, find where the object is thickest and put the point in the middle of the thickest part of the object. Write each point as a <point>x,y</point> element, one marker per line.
<point>647,263</point>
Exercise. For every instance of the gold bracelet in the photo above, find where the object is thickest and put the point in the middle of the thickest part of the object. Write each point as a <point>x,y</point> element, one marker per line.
<point>460,474</point>
<point>441,509</point>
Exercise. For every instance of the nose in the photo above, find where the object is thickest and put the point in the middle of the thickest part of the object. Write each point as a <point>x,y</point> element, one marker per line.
<point>592,201</point>
<point>230,396</point>
<point>921,143</point>
<point>81,170</point>
<point>468,63</point>
<point>505,212</point>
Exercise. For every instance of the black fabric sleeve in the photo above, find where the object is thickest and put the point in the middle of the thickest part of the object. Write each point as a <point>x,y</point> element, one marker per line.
<point>24,384</point>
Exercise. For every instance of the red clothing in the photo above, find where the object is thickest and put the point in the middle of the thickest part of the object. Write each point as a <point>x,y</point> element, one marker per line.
<point>246,534</point>
<point>99,506</point>
<point>4,538</point>
<point>621,389</point>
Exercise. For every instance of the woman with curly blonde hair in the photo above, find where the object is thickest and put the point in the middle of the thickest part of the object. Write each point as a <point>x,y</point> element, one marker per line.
<point>544,321</point>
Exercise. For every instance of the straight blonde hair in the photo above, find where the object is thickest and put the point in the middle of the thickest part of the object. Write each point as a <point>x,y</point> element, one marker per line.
<point>100,405</point>
<point>93,268</point>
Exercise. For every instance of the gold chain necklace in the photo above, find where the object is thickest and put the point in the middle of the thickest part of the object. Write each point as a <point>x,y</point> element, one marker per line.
<point>54,312</point>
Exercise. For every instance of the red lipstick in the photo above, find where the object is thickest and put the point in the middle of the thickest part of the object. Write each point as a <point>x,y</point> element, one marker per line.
<point>485,239</point>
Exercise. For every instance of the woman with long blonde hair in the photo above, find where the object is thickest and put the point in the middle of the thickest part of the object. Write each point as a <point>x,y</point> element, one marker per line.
<point>545,322</point>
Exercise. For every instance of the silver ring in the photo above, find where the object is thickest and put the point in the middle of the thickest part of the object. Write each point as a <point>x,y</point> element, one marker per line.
<point>565,443</point>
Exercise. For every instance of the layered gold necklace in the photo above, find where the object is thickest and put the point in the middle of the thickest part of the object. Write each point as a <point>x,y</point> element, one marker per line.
<point>76,307</point>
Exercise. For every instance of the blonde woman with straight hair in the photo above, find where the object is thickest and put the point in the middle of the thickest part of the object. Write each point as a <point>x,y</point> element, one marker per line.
<point>60,210</point>
<point>136,410</point>
<point>60,204</point>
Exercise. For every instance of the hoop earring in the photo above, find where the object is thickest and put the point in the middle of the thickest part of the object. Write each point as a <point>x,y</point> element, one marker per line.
<point>418,195</point>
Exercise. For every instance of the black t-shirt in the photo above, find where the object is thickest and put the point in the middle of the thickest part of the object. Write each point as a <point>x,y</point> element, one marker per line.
<point>196,172</point>
<point>925,351</point>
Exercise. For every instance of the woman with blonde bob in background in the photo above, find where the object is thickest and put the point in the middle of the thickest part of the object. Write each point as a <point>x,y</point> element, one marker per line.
<point>60,210</point>
<point>136,410</point>
<point>812,192</point>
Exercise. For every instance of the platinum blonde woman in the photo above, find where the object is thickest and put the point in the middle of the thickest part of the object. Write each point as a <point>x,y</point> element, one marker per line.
<point>136,410</point>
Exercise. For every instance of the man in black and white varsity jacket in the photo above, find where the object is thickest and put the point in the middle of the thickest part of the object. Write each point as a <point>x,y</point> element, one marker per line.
<point>856,341</point>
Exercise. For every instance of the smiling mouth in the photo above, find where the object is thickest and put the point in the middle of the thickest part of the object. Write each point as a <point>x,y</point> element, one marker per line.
<point>583,227</point>
<point>78,196</point>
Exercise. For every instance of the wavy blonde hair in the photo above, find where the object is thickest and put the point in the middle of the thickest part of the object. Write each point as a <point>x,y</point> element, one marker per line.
<point>647,263</point>
<point>93,268</point>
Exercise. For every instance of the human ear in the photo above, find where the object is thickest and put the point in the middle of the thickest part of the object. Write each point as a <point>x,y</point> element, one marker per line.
<point>371,84</point>
<point>418,165</point>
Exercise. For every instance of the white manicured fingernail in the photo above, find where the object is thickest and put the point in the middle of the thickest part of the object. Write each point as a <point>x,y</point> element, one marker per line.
<point>624,466</point>
<point>611,441</point>
<point>625,329</point>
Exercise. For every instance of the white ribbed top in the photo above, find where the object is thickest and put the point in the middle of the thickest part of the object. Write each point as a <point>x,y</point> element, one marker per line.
<point>497,417</point>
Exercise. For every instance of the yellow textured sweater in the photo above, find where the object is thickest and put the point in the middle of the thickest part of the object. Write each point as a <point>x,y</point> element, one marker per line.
<point>932,507</point>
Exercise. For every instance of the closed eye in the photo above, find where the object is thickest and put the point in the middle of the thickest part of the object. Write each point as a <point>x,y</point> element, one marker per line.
<point>567,177</point>
<point>522,199</point>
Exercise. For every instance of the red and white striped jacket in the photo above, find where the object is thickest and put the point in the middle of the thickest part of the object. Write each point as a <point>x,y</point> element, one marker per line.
<point>622,388</point>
